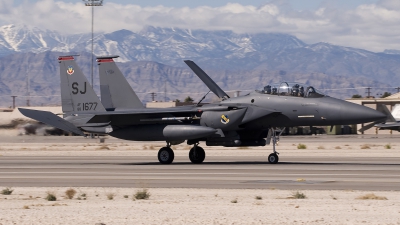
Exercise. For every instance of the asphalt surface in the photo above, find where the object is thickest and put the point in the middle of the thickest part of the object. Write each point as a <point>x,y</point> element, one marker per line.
<point>302,172</point>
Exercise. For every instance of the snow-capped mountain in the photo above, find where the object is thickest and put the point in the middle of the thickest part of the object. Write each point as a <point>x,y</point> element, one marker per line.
<point>164,45</point>
<point>154,56</point>
<point>224,50</point>
<point>20,38</point>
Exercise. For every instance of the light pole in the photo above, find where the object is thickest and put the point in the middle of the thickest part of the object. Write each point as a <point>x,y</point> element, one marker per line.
<point>13,97</point>
<point>93,3</point>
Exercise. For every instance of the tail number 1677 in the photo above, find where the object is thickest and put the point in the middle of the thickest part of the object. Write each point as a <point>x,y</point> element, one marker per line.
<point>86,106</point>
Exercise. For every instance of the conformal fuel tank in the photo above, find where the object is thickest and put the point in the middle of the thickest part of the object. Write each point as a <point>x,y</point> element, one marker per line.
<point>162,132</point>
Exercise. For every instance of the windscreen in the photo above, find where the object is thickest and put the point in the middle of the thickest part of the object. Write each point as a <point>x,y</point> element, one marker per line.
<point>291,89</point>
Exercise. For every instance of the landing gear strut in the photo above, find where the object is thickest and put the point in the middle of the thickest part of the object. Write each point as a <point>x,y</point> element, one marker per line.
<point>273,158</point>
<point>197,154</point>
<point>166,155</point>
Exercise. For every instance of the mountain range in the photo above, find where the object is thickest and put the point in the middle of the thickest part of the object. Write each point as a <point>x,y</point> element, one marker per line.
<point>152,60</point>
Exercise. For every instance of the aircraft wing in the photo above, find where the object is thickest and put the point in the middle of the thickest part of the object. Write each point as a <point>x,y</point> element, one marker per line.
<point>51,119</point>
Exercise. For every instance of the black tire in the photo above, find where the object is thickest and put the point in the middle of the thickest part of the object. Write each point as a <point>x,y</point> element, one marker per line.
<point>166,155</point>
<point>197,156</point>
<point>273,158</point>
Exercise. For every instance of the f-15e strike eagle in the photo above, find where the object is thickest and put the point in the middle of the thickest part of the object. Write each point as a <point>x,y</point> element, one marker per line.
<point>392,121</point>
<point>249,120</point>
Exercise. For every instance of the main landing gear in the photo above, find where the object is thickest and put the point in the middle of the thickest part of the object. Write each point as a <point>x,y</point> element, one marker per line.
<point>197,154</point>
<point>166,155</point>
<point>273,158</point>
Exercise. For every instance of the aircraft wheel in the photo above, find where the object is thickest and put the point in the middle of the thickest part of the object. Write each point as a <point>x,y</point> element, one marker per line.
<point>273,158</point>
<point>166,155</point>
<point>197,155</point>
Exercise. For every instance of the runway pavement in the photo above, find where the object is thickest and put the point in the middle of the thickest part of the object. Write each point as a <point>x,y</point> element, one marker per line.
<point>294,171</point>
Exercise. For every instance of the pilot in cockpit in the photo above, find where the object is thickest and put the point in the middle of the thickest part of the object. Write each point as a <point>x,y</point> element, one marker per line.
<point>301,91</point>
<point>274,91</point>
<point>267,89</point>
<point>295,90</point>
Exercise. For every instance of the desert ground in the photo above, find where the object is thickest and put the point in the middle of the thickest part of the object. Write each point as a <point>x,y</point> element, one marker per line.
<point>198,206</point>
<point>208,203</point>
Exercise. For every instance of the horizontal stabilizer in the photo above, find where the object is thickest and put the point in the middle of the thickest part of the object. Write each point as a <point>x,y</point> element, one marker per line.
<point>388,125</point>
<point>51,119</point>
<point>206,79</point>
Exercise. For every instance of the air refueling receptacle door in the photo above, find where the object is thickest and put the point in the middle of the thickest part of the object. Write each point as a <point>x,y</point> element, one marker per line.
<point>224,120</point>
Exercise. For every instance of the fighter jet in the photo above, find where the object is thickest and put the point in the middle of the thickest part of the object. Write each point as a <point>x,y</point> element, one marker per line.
<point>392,122</point>
<point>249,120</point>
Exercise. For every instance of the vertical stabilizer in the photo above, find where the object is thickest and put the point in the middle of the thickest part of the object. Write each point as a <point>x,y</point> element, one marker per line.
<point>115,89</point>
<point>77,95</point>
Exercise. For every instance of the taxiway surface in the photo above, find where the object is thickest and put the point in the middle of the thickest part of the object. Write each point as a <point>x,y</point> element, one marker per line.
<point>329,163</point>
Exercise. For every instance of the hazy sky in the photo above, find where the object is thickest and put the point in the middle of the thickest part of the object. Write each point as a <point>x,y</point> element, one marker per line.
<point>296,4</point>
<point>370,24</point>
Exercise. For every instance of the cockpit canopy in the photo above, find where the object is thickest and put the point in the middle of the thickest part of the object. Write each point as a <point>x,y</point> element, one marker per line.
<point>292,89</point>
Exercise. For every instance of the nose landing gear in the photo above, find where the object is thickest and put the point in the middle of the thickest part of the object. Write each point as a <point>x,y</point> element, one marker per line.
<point>273,158</point>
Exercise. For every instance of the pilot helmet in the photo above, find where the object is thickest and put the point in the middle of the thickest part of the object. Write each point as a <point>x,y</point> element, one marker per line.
<point>267,89</point>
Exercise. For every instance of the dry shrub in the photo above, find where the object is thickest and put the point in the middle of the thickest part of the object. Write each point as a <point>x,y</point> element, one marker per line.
<point>301,146</point>
<point>70,193</point>
<point>297,195</point>
<point>338,147</point>
<point>142,194</point>
<point>388,146</point>
<point>51,197</point>
<point>243,147</point>
<point>110,196</point>
<point>7,191</point>
<point>25,207</point>
<point>258,197</point>
<point>104,147</point>
<point>365,146</point>
<point>321,147</point>
<point>234,201</point>
<point>82,196</point>
<point>371,197</point>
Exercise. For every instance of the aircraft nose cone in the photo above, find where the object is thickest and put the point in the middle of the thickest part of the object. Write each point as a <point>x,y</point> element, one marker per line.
<point>361,114</point>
